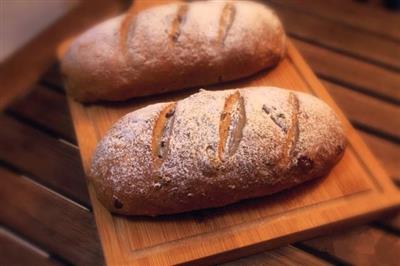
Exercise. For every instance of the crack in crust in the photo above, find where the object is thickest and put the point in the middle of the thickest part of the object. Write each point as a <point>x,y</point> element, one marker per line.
<point>226,21</point>
<point>292,133</point>
<point>126,24</point>
<point>233,120</point>
<point>162,134</point>
<point>177,22</point>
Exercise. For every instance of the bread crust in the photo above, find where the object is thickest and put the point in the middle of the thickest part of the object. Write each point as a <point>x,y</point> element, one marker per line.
<point>172,47</point>
<point>214,148</point>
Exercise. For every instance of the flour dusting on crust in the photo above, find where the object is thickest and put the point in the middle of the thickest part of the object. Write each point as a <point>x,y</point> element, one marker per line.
<point>192,176</point>
<point>98,66</point>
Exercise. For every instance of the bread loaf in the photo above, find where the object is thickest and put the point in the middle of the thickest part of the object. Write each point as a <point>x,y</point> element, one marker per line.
<point>172,47</point>
<point>214,148</point>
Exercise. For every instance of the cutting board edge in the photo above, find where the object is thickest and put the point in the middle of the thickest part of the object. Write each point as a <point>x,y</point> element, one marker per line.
<point>381,204</point>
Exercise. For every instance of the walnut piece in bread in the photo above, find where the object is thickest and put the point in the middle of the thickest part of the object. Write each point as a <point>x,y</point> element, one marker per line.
<point>172,47</point>
<point>214,148</point>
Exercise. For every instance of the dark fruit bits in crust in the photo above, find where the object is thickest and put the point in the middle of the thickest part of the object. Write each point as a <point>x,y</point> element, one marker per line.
<point>339,150</point>
<point>266,109</point>
<point>304,163</point>
<point>209,166</point>
<point>277,118</point>
<point>117,204</point>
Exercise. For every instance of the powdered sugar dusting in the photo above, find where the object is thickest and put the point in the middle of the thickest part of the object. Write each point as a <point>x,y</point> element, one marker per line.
<point>192,174</point>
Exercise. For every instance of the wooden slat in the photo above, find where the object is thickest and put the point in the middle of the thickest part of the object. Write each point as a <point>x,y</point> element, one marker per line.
<point>392,221</point>
<point>360,246</point>
<point>53,78</point>
<point>52,162</point>
<point>367,110</point>
<point>387,152</point>
<point>359,16</point>
<point>15,252</point>
<point>49,220</point>
<point>339,37</point>
<point>47,108</point>
<point>356,74</point>
<point>281,256</point>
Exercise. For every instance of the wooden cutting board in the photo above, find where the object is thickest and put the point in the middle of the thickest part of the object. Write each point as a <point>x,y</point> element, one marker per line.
<point>357,189</point>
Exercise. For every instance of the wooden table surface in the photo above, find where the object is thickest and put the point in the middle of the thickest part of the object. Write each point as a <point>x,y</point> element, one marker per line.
<point>46,217</point>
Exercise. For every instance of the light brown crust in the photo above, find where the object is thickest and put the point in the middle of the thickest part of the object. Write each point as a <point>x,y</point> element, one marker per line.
<point>172,47</point>
<point>204,166</point>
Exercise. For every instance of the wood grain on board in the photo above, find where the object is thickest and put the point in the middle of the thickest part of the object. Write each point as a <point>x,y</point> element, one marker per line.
<point>356,189</point>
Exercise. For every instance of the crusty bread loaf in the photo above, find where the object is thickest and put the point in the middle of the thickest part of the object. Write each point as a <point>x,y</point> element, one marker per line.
<point>214,148</point>
<point>172,47</point>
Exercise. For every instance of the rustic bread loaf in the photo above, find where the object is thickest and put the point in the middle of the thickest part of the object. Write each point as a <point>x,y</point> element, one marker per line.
<point>172,47</point>
<point>214,148</point>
